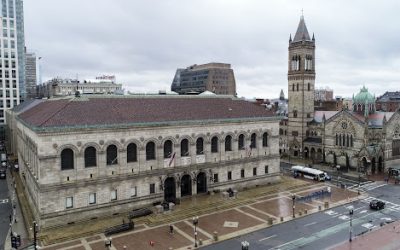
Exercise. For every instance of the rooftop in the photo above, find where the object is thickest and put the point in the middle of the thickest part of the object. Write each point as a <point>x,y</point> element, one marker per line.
<point>100,111</point>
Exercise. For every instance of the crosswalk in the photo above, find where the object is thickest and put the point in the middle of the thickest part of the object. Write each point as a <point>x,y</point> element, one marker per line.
<point>388,205</point>
<point>3,201</point>
<point>367,186</point>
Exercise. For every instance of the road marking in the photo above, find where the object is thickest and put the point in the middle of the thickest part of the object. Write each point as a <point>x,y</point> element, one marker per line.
<point>287,243</point>
<point>272,236</point>
<point>375,187</point>
<point>350,207</point>
<point>364,211</point>
<point>331,212</point>
<point>368,225</point>
<point>4,201</point>
<point>344,217</point>
<point>309,224</point>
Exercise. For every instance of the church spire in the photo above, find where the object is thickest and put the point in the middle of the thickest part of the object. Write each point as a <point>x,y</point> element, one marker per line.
<point>302,32</point>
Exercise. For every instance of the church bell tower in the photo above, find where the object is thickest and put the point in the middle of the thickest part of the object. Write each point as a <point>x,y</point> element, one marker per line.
<point>301,83</point>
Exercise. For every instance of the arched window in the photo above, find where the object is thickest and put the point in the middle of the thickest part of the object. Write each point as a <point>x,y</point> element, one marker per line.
<point>167,149</point>
<point>150,151</point>
<point>90,157</point>
<point>348,141</point>
<point>228,143</point>
<point>297,87</point>
<point>112,155</point>
<point>67,159</point>
<point>253,142</point>
<point>199,146</point>
<point>351,140</point>
<point>337,140</point>
<point>295,113</point>
<point>280,131</point>
<point>293,87</point>
<point>131,153</point>
<point>265,139</point>
<point>340,140</point>
<point>241,142</point>
<point>214,144</point>
<point>185,147</point>
<point>308,86</point>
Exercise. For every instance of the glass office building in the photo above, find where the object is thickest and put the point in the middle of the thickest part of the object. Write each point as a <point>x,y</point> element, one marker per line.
<point>12,57</point>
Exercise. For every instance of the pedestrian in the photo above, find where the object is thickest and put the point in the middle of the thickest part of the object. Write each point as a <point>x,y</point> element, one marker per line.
<point>171,229</point>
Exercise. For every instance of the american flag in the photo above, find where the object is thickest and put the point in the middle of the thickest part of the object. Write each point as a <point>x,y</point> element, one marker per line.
<point>171,160</point>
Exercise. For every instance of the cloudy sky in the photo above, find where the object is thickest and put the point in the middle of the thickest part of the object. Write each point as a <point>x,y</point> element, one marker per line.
<point>143,42</point>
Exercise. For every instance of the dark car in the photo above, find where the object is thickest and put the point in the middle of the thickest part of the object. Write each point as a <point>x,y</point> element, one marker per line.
<point>377,204</point>
<point>2,173</point>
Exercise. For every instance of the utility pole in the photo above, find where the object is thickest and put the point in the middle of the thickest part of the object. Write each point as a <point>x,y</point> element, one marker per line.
<point>34,235</point>
<point>351,224</point>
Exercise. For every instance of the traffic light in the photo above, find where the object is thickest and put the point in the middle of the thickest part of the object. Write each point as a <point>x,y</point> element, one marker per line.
<point>13,241</point>
<point>18,242</point>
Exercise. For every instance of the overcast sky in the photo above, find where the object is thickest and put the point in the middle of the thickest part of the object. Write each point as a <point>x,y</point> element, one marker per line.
<point>144,42</point>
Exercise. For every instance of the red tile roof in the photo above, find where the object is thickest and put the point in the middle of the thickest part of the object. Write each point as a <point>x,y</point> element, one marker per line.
<point>94,111</point>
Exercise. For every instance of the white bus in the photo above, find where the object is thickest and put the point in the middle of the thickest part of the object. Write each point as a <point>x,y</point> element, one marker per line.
<point>310,173</point>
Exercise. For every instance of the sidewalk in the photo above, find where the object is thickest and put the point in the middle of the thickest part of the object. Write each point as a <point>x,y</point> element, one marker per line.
<point>17,224</point>
<point>386,238</point>
<point>254,209</point>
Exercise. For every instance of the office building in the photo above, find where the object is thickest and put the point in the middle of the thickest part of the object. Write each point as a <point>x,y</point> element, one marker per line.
<point>31,76</point>
<point>217,78</point>
<point>12,75</point>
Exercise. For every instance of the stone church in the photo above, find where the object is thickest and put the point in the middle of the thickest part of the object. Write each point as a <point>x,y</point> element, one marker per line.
<point>358,139</point>
<point>85,157</point>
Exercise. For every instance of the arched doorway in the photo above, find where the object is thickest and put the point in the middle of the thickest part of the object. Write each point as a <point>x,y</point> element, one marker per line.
<point>373,167</point>
<point>306,153</point>
<point>201,183</point>
<point>319,155</point>
<point>169,189</point>
<point>380,164</point>
<point>364,165</point>
<point>312,155</point>
<point>347,161</point>
<point>186,185</point>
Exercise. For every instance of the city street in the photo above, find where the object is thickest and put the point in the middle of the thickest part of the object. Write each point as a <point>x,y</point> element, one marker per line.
<point>327,228</point>
<point>5,211</point>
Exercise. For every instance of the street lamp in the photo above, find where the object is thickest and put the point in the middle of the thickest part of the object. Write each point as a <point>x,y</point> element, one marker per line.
<point>337,168</point>
<point>35,231</point>
<point>195,222</point>
<point>293,206</point>
<point>107,243</point>
<point>351,224</point>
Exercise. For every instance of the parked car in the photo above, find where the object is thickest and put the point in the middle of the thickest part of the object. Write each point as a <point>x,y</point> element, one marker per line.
<point>377,204</point>
<point>2,173</point>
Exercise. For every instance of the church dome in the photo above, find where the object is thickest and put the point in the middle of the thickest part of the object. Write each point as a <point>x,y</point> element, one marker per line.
<point>364,97</point>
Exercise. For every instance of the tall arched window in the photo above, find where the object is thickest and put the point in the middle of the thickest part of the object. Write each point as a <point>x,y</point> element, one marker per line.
<point>90,157</point>
<point>351,140</point>
<point>337,140</point>
<point>348,141</point>
<point>241,142</point>
<point>308,87</point>
<point>167,149</point>
<point>297,87</point>
<point>293,87</point>
<point>253,142</point>
<point>199,146</point>
<point>265,139</point>
<point>214,144</point>
<point>228,143</point>
<point>131,153</point>
<point>150,151</point>
<point>67,159</point>
<point>185,147</point>
<point>112,155</point>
